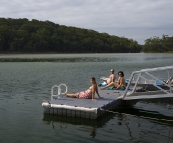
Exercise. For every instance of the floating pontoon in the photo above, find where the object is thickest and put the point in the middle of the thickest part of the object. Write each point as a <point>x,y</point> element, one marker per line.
<point>134,92</point>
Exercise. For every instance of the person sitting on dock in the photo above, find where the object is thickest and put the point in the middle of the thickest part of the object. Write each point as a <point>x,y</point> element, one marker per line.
<point>89,93</point>
<point>119,84</point>
<point>110,79</point>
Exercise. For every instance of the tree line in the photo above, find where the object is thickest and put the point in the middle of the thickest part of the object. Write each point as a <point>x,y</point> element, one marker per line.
<point>158,45</point>
<point>29,36</point>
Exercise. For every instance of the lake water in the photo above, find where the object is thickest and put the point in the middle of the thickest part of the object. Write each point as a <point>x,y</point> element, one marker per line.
<point>24,85</point>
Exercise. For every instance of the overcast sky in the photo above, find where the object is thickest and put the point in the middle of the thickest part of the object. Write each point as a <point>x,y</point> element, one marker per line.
<point>136,19</point>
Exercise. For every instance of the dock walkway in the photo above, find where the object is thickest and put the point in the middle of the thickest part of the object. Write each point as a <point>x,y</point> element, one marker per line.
<point>85,108</point>
<point>142,85</point>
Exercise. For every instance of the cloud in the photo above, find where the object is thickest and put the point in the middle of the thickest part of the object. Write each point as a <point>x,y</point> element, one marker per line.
<point>133,19</point>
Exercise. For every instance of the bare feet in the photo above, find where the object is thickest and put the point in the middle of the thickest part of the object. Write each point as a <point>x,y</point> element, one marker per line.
<point>102,88</point>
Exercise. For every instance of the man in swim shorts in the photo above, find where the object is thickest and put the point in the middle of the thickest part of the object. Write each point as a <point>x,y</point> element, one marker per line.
<point>111,77</point>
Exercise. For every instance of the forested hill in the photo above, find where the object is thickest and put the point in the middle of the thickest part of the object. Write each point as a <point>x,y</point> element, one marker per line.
<point>25,36</point>
<point>158,45</point>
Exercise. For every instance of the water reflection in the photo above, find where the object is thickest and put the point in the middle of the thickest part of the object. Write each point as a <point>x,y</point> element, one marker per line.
<point>129,124</point>
<point>62,122</point>
<point>24,86</point>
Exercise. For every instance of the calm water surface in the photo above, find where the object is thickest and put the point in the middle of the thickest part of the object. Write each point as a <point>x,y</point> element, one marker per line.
<point>24,85</point>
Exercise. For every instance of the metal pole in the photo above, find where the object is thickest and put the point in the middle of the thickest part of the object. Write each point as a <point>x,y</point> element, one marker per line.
<point>130,80</point>
<point>169,82</point>
<point>139,75</point>
<point>159,80</point>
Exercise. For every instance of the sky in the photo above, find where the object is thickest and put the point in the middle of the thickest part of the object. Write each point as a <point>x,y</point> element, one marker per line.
<point>134,19</point>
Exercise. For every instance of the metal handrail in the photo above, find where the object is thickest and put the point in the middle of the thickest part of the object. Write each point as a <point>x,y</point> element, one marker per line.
<point>157,69</point>
<point>59,91</point>
<point>139,74</point>
<point>62,84</point>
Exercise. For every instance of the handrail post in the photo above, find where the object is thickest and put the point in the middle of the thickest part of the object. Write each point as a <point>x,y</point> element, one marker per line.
<point>169,81</point>
<point>62,84</point>
<point>59,90</point>
<point>130,80</point>
<point>52,91</point>
<point>159,80</point>
<point>139,75</point>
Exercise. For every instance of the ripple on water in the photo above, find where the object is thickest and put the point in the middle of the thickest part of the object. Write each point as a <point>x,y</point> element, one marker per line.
<point>25,85</point>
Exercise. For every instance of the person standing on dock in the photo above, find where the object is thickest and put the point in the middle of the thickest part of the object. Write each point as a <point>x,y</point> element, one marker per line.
<point>87,94</point>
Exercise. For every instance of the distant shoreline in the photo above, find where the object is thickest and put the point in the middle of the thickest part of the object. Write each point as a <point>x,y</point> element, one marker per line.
<point>70,57</point>
<point>24,53</point>
<point>51,53</point>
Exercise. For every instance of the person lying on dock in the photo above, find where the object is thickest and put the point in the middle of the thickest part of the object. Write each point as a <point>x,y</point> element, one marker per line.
<point>119,84</point>
<point>89,93</point>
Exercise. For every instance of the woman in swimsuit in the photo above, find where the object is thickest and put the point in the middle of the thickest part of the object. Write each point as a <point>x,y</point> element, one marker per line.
<point>87,94</point>
<point>119,84</point>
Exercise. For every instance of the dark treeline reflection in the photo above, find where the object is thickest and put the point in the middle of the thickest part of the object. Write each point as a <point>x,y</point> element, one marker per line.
<point>25,36</point>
